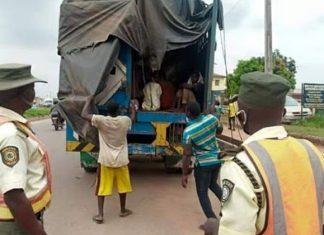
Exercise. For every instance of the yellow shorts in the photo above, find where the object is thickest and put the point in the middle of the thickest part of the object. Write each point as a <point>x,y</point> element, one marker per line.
<point>107,177</point>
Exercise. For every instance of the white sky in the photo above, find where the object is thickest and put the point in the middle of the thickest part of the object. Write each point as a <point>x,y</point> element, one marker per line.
<point>29,31</point>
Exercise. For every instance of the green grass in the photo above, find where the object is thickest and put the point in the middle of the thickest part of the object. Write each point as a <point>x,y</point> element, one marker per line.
<point>316,121</point>
<point>37,112</point>
<point>312,126</point>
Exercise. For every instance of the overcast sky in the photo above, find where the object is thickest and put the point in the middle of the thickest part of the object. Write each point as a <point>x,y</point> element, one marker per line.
<point>29,31</point>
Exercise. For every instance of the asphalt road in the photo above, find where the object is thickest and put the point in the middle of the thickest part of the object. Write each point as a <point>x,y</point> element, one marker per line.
<point>161,206</point>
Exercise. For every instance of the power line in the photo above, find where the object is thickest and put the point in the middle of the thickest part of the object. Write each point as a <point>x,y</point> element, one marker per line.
<point>233,6</point>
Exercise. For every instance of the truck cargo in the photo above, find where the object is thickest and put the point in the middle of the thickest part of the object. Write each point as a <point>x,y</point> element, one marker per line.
<point>111,49</point>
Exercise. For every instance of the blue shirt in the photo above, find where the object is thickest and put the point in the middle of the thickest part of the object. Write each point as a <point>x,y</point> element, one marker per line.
<point>201,134</point>
<point>218,111</point>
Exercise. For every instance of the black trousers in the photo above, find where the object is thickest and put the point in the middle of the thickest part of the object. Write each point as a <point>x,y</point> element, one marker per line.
<point>206,178</point>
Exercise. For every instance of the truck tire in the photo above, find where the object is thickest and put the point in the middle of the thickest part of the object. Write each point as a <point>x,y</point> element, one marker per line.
<point>89,169</point>
<point>172,164</point>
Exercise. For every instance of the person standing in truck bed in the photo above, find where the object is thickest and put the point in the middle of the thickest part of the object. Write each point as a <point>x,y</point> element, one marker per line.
<point>192,91</point>
<point>152,92</point>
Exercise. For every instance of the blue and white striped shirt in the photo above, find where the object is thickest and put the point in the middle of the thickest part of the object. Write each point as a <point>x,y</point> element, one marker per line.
<point>201,134</point>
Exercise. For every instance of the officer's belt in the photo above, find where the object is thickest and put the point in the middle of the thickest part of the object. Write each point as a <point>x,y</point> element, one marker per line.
<point>39,216</point>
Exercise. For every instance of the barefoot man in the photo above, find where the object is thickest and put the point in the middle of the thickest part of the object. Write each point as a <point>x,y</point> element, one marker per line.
<point>113,154</point>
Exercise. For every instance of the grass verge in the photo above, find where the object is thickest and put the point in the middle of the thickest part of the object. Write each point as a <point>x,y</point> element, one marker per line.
<point>312,127</point>
<point>37,112</point>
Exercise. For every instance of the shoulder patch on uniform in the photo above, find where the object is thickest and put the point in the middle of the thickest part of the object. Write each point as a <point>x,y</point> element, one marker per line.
<point>10,155</point>
<point>228,187</point>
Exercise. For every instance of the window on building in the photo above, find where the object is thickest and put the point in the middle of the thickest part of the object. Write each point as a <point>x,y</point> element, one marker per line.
<point>216,82</point>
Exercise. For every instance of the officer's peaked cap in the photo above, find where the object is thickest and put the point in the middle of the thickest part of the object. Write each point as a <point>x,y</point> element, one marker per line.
<point>260,89</point>
<point>16,75</point>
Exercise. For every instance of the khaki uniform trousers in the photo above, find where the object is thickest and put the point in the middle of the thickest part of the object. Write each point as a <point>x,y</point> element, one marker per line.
<point>10,228</point>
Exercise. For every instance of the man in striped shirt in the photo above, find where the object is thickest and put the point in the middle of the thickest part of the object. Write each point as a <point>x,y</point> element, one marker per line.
<point>199,140</point>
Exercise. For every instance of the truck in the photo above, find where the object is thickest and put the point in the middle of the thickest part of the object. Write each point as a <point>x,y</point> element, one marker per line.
<point>109,49</point>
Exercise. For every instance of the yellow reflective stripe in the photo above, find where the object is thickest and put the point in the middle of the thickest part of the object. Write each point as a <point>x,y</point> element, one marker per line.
<point>80,146</point>
<point>298,191</point>
<point>43,202</point>
<point>268,226</point>
<point>316,161</point>
<point>294,201</point>
<point>88,147</point>
<point>72,145</point>
<point>37,206</point>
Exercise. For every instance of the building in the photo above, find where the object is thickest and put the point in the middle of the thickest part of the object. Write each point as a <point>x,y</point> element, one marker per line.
<point>296,94</point>
<point>37,101</point>
<point>218,85</point>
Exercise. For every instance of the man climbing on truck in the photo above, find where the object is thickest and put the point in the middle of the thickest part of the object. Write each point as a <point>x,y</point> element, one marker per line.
<point>113,154</point>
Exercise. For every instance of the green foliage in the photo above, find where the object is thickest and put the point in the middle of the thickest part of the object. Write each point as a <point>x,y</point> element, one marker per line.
<point>313,126</point>
<point>316,121</point>
<point>282,65</point>
<point>37,112</point>
<point>302,131</point>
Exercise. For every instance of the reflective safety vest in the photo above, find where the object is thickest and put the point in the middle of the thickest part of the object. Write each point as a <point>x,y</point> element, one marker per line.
<point>291,171</point>
<point>43,198</point>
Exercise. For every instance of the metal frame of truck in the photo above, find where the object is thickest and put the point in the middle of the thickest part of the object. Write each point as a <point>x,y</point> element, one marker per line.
<point>154,133</point>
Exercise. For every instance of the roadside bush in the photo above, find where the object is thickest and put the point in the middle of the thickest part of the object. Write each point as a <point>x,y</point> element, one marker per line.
<point>317,121</point>
<point>37,112</point>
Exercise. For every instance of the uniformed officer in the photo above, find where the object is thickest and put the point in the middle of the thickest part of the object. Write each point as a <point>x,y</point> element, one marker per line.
<point>274,184</point>
<point>25,180</point>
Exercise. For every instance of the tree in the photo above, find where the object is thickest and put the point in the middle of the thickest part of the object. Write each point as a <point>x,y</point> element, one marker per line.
<point>282,65</point>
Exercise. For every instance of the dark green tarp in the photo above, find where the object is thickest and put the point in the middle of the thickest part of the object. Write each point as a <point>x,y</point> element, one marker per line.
<point>89,31</point>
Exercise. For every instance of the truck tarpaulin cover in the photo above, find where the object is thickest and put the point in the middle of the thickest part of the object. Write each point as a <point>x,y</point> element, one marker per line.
<point>89,35</point>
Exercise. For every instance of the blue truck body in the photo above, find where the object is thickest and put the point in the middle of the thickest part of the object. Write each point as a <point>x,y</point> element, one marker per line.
<point>154,133</point>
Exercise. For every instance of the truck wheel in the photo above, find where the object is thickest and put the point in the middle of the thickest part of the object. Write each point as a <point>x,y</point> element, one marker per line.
<point>172,164</point>
<point>90,169</point>
<point>172,170</point>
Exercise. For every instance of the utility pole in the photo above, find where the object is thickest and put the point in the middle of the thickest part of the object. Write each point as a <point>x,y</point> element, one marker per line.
<point>268,38</point>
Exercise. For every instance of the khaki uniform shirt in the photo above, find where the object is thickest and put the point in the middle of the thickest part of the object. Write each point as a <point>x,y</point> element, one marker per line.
<point>239,202</point>
<point>20,159</point>
<point>113,150</point>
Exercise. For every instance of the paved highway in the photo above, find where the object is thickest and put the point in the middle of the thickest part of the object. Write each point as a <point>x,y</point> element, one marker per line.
<point>161,206</point>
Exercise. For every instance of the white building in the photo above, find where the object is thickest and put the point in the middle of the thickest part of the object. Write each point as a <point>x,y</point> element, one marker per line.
<point>218,84</point>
